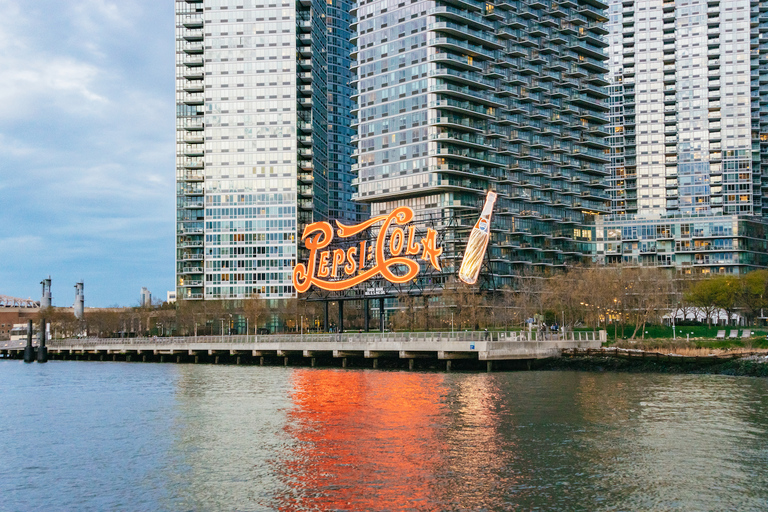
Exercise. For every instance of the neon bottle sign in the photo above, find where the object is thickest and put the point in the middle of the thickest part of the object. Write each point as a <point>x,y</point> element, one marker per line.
<point>340,269</point>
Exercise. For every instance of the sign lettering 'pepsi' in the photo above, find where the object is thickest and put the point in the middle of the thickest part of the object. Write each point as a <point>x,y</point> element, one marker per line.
<point>340,269</point>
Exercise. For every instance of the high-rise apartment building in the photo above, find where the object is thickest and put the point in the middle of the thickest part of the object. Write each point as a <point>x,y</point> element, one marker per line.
<point>340,130</point>
<point>456,97</point>
<point>687,98</point>
<point>258,128</point>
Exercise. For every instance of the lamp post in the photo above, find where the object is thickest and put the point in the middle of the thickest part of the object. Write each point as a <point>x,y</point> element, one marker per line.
<point>674,335</point>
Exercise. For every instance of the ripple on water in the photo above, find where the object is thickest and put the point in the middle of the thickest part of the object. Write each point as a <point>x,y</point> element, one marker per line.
<point>199,437</point>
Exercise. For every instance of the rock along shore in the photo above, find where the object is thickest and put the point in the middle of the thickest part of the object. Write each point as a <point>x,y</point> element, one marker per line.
<point>754,366</point>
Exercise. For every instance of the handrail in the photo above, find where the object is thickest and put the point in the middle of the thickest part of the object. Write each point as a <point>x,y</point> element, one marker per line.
<point>371,337</point>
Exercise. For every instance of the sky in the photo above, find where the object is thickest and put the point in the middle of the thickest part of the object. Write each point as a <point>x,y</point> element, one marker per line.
<point>87,133</point>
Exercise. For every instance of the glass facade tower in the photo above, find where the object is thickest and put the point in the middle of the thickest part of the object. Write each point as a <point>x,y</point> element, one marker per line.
<point>688,134</point>
<point>456,97</point>
<point>252,142</point>
<point>685,115</point>
<point>340,131</point>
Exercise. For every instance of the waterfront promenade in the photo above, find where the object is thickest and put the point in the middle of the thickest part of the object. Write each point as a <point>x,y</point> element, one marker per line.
<point>309,348</point>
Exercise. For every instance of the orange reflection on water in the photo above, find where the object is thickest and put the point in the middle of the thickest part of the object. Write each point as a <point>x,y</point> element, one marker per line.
<point>364,440</point>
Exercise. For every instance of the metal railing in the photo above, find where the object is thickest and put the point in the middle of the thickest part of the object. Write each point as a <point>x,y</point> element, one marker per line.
<point>362,337</point>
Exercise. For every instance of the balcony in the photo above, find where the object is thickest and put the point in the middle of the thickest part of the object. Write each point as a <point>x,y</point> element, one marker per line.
<point>194,98</point>
<point>193,21</point>
<point>191,270</point>
<point>194,73</point>
<point>190,256</point>
<point>191,176</point>
<point>191,283</point>
<point>194,123</point>
<point>193,48</point>
<point>193,138</point>
<point>193,35</point>
<point>193,163</point>
<point>193,61</point>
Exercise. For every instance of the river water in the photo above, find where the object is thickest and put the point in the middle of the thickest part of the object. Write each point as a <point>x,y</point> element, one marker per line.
<point>130,436</point>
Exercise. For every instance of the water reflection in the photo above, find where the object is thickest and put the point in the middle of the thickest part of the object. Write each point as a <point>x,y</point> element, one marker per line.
<point>554,441</point>
<point>365,440</point>
<point>177,437</point>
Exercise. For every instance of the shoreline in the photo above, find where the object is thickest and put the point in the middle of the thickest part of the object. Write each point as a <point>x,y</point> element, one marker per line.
<point>740,367</point>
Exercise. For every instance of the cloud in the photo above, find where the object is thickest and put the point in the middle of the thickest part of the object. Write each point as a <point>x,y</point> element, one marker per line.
<point>11,244</point>
<point>87,145</point>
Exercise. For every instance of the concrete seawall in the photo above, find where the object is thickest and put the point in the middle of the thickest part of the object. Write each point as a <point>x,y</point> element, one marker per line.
<point>475,346</point>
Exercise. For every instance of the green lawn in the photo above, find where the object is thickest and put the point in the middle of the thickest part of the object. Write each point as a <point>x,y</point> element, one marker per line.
<point>694,331</point>
<point>700,336</point>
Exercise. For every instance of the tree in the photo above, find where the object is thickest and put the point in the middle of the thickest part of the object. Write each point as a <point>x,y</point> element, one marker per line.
<point>704,294</point>
<point>647,293</point>
<point>753,293</point>
<point>103,322</point>
<point>255,309</point>
<point>728,294</point>
<point>528,296</point>
<point>191,316</point>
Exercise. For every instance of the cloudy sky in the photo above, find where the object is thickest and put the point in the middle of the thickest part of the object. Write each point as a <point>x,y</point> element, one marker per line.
<point>87,148</point>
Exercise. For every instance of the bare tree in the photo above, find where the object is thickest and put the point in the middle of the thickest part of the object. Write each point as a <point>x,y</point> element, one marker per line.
<point>255,309</point>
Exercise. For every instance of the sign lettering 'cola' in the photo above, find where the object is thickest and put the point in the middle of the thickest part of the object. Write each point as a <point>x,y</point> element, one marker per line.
<point>340,269</point>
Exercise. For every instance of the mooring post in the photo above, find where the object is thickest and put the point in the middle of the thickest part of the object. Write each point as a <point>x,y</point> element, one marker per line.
<point>375,362</point>
<point>29,352</point>
<point>344,362</point>
<point>42,350</point>
<point>489,366</point>
<point>448,365</point>
<point>285,361</point>
<point>312,363</point>
<point>261,361</point>
<point>410,364</point>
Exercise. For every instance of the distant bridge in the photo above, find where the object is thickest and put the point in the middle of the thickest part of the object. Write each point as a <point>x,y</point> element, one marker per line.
<point>468,348</point>
<point>15,302</point>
